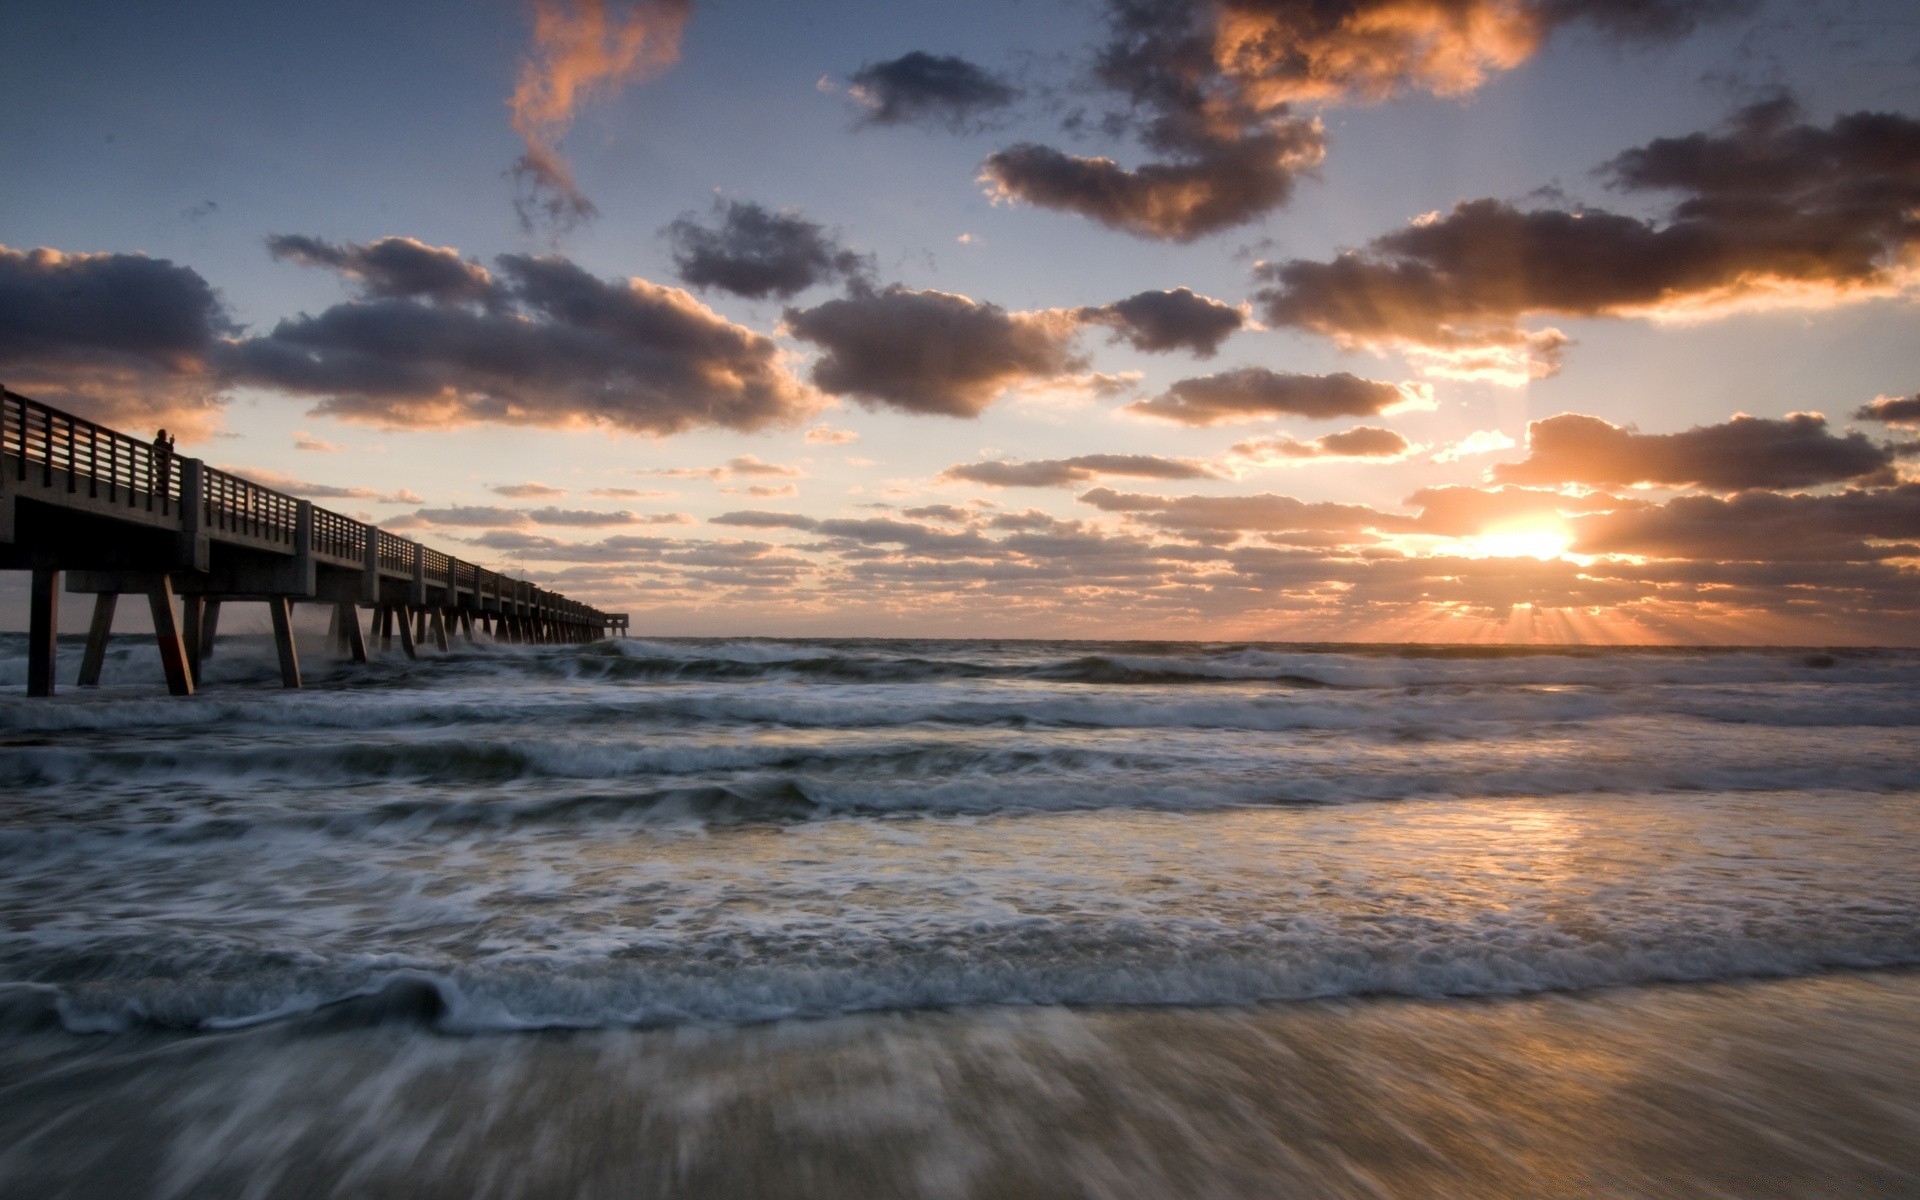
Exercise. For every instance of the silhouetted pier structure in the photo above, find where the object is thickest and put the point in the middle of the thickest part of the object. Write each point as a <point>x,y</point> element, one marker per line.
<point>116,516</point>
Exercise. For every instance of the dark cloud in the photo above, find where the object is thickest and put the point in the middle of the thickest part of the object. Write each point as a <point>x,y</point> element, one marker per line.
<point>1745,452</point>
<point>1891,410</point>
<point>392,268</point>
<point>1260,513</point>
<point>530,490</point>
<point>121,338</point>
<point>1064,472</point>
<point>1216,183</point>
<point>1210,90</point>
<point>757,253</point>
<point>1764,527</point>
<point>929,89</point>
<point>755,519</point>
<point>1362,441</point>
<point>547,344</point>
<point>1157,322</point>
<point>938,512</point>
<point>1771,213</point>
<point>1255,394</point>
<point>931,352</point>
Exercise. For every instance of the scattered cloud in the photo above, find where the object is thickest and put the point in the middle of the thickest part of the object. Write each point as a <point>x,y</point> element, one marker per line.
<point>1745,452</point>
<point>531,490</point>
<point>124,339</point>
<point>826,435</point>
<point>392,268</point>
<point>1773,213</point>
<point>1891,410</point>
<point>1258,394</point>
<point>931,353</point>
<point>1480,441</point>
<point>546,344</point>
<point>1065,472</point>
<point>280,481</point>
<point>937,90</point>
<point>1361,443</point>
<point>1158,322</point>
<point>755,252</point>
<point>581,52</point>
<point>312,444</point>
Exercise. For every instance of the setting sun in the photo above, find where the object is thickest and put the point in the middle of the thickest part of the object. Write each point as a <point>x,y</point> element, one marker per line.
<point>1518,541</point>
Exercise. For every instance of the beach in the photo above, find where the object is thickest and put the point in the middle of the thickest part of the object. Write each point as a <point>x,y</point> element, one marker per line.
<point>727,917</point>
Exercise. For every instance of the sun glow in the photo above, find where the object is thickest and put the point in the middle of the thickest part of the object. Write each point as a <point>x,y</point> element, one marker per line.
<point>1543,542</point>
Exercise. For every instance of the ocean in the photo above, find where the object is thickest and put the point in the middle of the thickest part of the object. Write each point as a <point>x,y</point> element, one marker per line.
<point>698,917</point>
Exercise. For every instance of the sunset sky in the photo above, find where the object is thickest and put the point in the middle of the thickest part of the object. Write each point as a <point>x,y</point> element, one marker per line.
<point>1435,320</point>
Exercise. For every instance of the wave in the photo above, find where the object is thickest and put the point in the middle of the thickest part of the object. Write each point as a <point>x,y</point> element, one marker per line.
<point>731,984</point>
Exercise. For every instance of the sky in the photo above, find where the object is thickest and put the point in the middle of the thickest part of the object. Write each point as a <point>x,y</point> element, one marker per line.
<point>1381,320</point>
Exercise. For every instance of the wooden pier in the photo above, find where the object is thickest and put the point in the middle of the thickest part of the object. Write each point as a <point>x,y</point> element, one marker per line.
<point>114,516</point>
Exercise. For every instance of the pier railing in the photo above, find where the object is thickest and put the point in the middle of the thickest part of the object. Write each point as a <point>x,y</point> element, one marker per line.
<point>57,455</point>
<point>103,463</point>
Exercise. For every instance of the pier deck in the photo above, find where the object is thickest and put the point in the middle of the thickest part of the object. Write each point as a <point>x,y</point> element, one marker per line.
<point>113,515</point>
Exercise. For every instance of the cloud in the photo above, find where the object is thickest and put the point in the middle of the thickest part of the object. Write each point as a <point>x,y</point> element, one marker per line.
<point>626,493</point>
<point>1260,513</point>
<point>548,344</point>
<point>755,252</point>
<point>1772,214</point>
<point>312,444</point>
<point>1360,442</point>
<point>938,512</point>
<point>1891,410</point>
<point>826,435</point>
<point>755,519</point>
<point>1745,452</point>
<point>481,515</point>
<point>581,52</point>
<point>123,339</point>
<point>591,517</point>
<point>1216,183</point>
<point>1158,322</point>
<point>931,352</point>
<point>1064,472</point>
<point>1480,441</point>
<point>1764,527</point>
<point>280,481</point>
<point>392,268</point>
<point>929,89</point>
<point>1211,90</point>
<point>1458,511</point>
<point>530,490</point>
<point>1256,394</point>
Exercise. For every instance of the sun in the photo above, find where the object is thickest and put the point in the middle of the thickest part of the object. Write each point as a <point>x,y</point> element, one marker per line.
<point>1544,542</point>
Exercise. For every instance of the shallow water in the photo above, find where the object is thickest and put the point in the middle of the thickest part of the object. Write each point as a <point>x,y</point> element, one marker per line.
<point>693,838</point>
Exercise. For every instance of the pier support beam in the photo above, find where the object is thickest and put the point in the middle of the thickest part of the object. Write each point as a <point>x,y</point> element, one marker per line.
<point>348,640</point>
<point>166,631</point>
<point>404,619</point>
<point>282,610</point>
<point>96,656</point>
<point>43,630</point>
<point>439,627</point>
<point>193,611</point>
<point>209,625</point>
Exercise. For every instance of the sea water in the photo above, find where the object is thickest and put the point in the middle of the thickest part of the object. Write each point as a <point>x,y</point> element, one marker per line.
<point>965,918</point>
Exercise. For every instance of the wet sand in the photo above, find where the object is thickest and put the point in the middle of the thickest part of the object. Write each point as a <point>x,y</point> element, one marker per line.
<point>1787,1088</point>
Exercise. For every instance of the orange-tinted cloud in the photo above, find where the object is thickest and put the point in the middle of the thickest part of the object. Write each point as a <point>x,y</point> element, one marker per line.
<point>544,343</point>
<point>932,352</point>
<point>127,340</point>
<point>1745,452</point>
<point>1256,394</point>
<point>583,50</point>
<point>1065,472</point>
<point>1773,214</point>
<point>1361,443</point>
<point>1211,87</point>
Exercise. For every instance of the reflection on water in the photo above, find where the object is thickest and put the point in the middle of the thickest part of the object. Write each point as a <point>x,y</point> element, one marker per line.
<point>1775,1089</point>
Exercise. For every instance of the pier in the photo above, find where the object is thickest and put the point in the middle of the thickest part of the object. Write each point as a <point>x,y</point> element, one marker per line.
<point>112,515</point>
